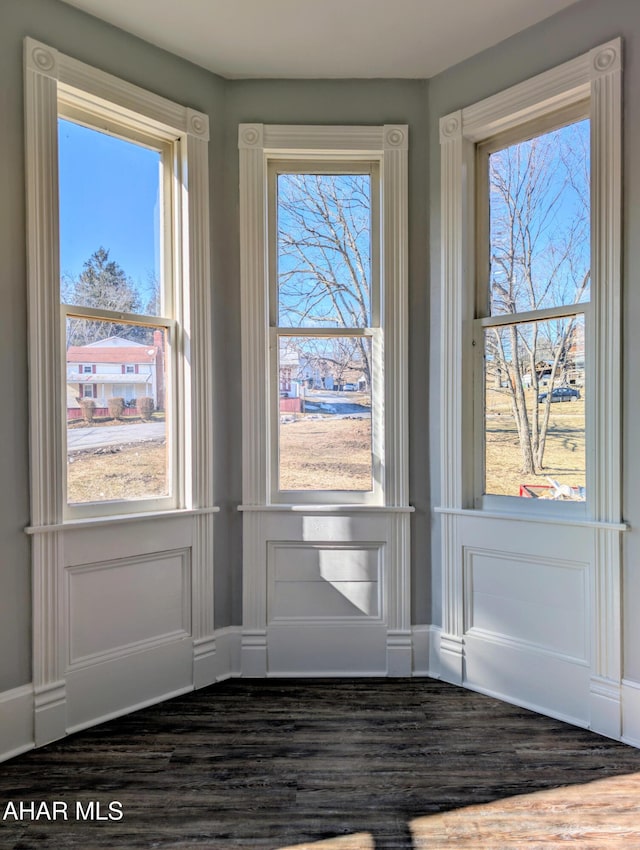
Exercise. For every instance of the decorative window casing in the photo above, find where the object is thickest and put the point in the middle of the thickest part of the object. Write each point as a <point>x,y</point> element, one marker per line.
<point>381,153</point>
<point>592,79</point>
<point>59,86</point>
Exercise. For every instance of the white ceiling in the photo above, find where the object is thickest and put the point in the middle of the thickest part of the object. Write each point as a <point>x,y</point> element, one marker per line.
<point>323,38</point>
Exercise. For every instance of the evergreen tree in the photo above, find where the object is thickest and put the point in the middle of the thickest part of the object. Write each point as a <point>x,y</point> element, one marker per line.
<point>102,284</point>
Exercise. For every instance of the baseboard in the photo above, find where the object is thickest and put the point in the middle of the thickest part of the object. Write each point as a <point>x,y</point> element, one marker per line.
<point>605,709</point>
<point>130,709</point>
<point>630,693</point>
<point>530,706</point>
<point>228,652</point>
<point>426,651</point>
<point>16,722</point>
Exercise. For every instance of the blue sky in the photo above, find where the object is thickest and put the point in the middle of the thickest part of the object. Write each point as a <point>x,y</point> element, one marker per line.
<point>109,198</point>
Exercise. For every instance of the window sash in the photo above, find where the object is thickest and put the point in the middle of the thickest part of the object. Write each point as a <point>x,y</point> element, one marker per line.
<point>173,430</point>
<point>553,120</point>
<point>277,167</point>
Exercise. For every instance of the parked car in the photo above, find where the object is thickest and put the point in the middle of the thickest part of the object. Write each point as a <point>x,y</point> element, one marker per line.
<point>349,388</point>
<point>561,394</point>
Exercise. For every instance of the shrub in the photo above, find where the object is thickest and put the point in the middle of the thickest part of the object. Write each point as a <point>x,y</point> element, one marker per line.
<point>146,407</point>
<point>116,407</point>
<point>88,407</point>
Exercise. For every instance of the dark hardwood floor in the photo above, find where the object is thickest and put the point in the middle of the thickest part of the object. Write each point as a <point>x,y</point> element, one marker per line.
<point>366,764</point>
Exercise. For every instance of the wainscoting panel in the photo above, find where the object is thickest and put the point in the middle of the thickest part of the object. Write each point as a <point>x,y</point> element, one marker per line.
<point>116,607</point>
<point>520,610</point>
<point>316,581</point>
<point>538,602</point>
<point>326,593</point>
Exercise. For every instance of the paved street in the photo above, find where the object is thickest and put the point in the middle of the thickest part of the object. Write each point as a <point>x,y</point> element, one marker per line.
<point>336,403</point>
<point>93,437</point>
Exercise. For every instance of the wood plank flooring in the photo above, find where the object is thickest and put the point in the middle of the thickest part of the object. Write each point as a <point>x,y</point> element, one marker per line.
<point>366,764</point>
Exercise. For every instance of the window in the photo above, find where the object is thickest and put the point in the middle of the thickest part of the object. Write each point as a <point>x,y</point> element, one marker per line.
<point>324,304</point>
<point>115,175</point>
<point>534,273</point>
<point>324,342</point>
<point>530,357</point>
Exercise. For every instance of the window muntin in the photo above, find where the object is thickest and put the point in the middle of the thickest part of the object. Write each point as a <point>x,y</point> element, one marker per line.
<point>116,188</point>
<point>324,282</point>
<point>532,303</point>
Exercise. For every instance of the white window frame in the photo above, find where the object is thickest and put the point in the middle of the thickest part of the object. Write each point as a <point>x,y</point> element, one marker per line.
<point>58,85</point>
<point>387,146</point>
<point>596,77</point>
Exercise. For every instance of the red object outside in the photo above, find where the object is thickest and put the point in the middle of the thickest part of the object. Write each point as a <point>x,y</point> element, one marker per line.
<point>532,491</point>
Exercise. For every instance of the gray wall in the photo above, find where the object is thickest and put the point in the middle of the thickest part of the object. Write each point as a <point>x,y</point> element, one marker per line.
<point>568,34</point>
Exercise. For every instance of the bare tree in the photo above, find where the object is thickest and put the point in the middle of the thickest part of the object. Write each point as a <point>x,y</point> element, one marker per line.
<point>539,238</point>
<point>324,260</point>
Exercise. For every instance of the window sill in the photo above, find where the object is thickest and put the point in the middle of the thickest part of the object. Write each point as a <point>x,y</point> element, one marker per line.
<point>541,519</point>
<point>311,508</point>
<point>116,519</point>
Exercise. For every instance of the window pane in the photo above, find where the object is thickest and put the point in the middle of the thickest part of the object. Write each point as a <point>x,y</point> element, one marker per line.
<point>324,250</point>
<point>539,222</point>
<point>109,221</point>
<point>535,409</point>
<point>325,414</point>
<point>116,401</point>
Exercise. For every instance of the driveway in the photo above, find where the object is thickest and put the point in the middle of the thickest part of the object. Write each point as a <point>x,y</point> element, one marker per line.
<point>113,435</point>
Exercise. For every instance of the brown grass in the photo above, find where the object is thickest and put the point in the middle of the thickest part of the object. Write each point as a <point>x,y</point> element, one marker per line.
<point>335,454</point>
<point>132,471</point>
<point>325,454</point>
<point>565,448</point>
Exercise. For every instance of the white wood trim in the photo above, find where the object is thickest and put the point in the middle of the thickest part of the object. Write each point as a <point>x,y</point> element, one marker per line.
<point>329,509</point>
<point>256,431</point>
<point>395,259</point>
<point>630,696</point>
<point>112,715</point>
<point>544,519</point>
<point>16,722</point>
<point>422,646</point>
<point>53,79</point>
<point>595,75</point>
<point>258,145</point>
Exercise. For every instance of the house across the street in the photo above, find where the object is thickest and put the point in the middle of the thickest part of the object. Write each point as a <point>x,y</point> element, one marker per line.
<point>115,367</point>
